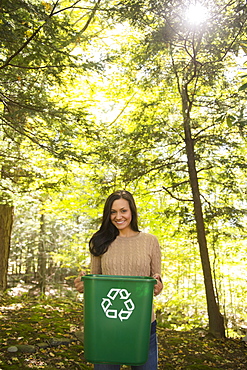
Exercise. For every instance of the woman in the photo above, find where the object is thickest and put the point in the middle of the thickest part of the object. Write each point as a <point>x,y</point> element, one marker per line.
<point>119,248</point>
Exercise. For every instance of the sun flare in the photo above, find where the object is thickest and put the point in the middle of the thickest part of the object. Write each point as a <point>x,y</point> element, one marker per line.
<point>196,14</point>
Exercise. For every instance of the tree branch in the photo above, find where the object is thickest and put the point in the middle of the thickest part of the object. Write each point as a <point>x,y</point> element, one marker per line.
<point>52,13</point>
<point>177,198</point>
<point>29,39</point>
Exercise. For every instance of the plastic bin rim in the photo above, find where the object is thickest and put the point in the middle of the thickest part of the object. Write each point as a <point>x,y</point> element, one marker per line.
<point>118,277</point>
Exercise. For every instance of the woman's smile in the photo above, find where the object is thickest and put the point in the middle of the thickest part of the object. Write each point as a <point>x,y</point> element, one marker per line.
<point>121,215</point>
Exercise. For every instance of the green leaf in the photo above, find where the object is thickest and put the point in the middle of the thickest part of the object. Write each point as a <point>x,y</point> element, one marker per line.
<point>243,87</point>
<point>229,120</point>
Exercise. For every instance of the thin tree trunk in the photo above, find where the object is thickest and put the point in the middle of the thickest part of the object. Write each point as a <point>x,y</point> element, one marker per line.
<point>42,257</point>
<point>216,321</point>
<point>6,222</point>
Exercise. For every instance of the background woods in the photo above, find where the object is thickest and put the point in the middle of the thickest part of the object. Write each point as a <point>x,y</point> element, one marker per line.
<point>102,95</point>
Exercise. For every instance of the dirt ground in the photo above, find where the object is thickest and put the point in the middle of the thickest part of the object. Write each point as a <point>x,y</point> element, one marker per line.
<point>31,321</point>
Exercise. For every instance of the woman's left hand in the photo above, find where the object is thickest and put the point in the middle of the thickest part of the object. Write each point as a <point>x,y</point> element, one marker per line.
<point>159,286</point>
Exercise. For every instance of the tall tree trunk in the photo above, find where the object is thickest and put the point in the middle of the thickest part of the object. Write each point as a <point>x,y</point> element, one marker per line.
<point>8,171</point>
<point>216,321</point>
<point>6,221</point>
<point>42,256</point>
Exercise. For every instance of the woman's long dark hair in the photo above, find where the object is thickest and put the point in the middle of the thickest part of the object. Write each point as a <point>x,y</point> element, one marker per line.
<point>107,232</point>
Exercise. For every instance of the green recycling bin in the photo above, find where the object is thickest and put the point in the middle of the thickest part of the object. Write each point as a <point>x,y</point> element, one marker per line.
<point>117,318</point>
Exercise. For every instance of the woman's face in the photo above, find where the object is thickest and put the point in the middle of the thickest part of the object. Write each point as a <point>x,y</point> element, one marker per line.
<point>121,214</point>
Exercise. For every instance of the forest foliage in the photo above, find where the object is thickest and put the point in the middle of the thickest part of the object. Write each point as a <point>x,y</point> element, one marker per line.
<point>92,96</point>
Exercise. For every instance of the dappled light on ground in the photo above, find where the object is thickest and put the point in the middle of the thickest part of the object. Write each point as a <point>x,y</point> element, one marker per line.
<point>49,329</point>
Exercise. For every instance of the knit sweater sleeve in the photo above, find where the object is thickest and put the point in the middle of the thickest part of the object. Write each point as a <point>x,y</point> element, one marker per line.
<point>156,258</point>
<point>96,265</point>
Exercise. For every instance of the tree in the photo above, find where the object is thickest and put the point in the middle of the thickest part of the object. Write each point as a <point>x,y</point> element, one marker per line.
<point>37,41</point>
<point>168,120</point>
<point>6,220</point>
<point>196,123</point>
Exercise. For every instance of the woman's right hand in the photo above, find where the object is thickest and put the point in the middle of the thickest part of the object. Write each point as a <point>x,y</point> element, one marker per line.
<point>79,283</point>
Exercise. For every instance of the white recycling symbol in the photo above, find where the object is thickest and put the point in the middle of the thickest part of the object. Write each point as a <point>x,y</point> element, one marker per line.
<point>112,313</point>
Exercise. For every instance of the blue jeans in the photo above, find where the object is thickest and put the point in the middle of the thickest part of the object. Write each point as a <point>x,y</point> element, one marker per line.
<point>152,362</point>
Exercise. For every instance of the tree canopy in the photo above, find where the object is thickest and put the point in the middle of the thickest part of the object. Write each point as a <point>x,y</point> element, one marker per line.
<point>101,95</point>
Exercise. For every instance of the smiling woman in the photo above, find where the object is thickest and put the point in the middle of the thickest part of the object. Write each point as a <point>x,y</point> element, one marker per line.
<point>119,248</point>
<point>121,217</point>
<point>196,14</point>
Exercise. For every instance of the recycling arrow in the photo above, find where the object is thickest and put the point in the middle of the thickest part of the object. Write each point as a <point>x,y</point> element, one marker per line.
<point>124,315</point>
<point>112,313</point>
<point>105,304</point>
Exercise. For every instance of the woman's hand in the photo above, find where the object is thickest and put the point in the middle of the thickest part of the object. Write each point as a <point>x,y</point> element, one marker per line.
<point>78,283</point>
<point>159,286</point>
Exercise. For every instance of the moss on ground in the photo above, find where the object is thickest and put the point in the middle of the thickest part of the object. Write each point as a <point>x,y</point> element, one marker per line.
<point>31,321</point>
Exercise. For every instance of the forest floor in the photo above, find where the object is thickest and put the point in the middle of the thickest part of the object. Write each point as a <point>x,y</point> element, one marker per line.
<point>31,321</point>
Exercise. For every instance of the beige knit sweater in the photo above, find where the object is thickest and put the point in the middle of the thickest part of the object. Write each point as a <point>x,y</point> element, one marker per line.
<point>137,255</point>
